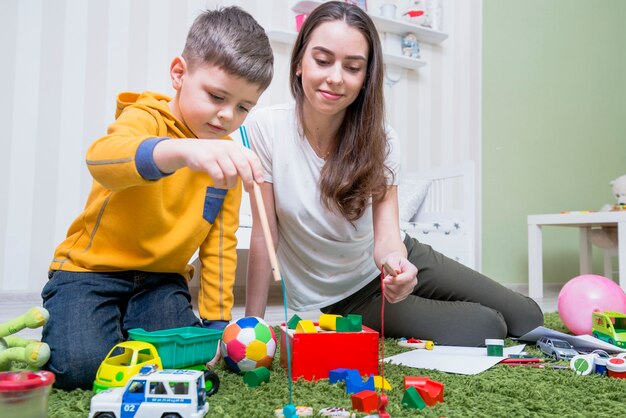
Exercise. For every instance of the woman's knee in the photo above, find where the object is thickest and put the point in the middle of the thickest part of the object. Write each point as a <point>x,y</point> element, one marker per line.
<point>490,324</point>
<point>527,318</point>
<point>475,328</point>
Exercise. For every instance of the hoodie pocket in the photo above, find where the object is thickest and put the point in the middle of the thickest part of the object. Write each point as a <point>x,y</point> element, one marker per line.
<point>213,202</point>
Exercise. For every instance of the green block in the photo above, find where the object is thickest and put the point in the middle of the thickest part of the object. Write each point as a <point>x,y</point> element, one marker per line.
<point>412,399</point>
<point>254,378</point>
<point>350,323</point>
<point>293,322</point>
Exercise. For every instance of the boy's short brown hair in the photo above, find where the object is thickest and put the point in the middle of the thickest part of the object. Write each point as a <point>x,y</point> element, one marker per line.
<point>231,39</point>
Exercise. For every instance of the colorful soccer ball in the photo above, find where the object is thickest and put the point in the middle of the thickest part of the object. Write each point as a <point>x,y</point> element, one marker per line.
<point>248,343</point>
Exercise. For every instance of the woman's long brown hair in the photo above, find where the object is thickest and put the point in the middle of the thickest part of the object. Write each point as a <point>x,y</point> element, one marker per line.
<point>355,171</point>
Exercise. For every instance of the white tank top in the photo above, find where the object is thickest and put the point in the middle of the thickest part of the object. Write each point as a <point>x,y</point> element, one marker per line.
<point>323,258</point>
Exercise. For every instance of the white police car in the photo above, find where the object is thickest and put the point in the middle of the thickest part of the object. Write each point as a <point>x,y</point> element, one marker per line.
<point>154,393</point>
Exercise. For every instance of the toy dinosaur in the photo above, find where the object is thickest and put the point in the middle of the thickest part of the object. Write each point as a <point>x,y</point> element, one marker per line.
<point>15,352</point>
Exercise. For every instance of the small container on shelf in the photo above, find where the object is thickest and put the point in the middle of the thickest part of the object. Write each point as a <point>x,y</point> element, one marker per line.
<point>388,10</point>
<point>300,18</point>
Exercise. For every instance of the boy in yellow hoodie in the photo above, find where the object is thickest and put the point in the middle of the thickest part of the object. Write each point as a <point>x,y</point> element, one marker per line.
<point>166,183</point>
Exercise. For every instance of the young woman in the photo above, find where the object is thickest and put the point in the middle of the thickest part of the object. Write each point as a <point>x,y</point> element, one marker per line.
<point>331,166</point>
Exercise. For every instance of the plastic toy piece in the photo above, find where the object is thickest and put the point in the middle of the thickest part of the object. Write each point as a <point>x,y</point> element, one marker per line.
<point>365,401</point>
<point>181,347</point>
<point>350,323</point>
<point>291,411</point>
<point>616,367</point>
<point>155,394</point>
<point>328,322</point>
<point>495,347</point>
<point>382,405</point>
<point>415,343</point>
<point>254,378</point>
<point>25,393</point>
<point>293,322</point>
<point>431,391</point>
<point>378,383</point>
<point>125,360</point>
<point>412,399</point>
<point>334,412</point>
<point>556,348</point>
<point>337,375</point>
<point>599,361</point>
<point>583,364</point>
<point>314,355</point>
<point>609,327</point>
<point>174,348</point>
<point>15,350</point>
<point>355,384</point>
<point>306,326</point>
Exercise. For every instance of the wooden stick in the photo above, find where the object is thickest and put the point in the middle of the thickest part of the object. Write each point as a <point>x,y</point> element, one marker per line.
<point>390,270</point>
<point>269,243</point>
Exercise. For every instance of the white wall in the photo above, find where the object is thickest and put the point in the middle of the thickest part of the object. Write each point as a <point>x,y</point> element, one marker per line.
<point>63,62</point>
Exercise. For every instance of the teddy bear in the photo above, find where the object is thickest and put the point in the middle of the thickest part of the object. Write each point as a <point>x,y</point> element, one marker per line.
<point>606,237</point>
<point>18,353</point>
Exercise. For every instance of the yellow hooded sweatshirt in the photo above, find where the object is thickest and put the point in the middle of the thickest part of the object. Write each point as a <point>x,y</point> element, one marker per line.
<point>138,218</point>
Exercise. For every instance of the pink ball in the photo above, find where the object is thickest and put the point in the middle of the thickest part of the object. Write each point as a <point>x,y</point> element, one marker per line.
<point>585,294</point>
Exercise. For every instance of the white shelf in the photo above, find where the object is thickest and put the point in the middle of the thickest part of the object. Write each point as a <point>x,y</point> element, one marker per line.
<point>404,62</point>
<point>288,37</point>
<point>401,28</point>
<point>384,24</point>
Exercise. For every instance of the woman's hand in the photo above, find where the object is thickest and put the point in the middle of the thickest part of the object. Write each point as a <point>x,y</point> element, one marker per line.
<point>398,287</point>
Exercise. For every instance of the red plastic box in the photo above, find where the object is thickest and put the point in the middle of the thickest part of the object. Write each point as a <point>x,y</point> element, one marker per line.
<point>314,355</point>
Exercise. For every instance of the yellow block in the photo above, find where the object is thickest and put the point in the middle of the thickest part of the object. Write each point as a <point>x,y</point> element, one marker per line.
<point>328,322</point>
<point>306,326</point>
<point>378,383</point>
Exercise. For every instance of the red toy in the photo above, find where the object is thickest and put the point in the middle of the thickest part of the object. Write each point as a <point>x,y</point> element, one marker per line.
<point>431,391</point>
<point>313,356</point>
<point>365,401</point>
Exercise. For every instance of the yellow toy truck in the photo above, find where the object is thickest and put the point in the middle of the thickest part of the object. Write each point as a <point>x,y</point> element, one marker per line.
<point>610,327</point>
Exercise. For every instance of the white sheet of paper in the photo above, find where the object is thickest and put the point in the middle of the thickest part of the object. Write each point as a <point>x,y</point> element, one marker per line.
<point>580,342</point>
<point>459,360</point>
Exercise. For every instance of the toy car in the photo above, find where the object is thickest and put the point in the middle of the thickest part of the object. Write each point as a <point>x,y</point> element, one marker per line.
<point>610,327</point>
<point>124,361</point>
<point>175,348</point>
<point>555,348</point>
<point>152,394</point>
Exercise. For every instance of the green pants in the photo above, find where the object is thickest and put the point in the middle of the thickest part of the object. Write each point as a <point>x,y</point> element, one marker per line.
<point>451,304</point>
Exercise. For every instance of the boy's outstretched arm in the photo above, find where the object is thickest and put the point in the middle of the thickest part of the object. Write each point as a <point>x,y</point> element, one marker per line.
<point>222,160</point>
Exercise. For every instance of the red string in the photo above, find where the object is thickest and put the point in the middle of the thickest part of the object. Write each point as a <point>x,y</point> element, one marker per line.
<point>383,398</point>
<point>382,327</point>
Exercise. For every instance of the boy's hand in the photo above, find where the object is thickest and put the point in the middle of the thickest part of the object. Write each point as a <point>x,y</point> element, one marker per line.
<point>222,160</point>
<point>400,285</point>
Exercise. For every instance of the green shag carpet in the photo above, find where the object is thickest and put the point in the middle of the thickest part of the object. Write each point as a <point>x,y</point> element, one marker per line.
<point>502,391</point>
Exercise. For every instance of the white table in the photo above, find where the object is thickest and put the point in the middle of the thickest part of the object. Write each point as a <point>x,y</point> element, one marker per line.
<point>584,221</point>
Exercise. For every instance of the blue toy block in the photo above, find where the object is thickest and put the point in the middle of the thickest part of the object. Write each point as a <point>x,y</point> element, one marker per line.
<point>337,375</point>
<point>355,383</point>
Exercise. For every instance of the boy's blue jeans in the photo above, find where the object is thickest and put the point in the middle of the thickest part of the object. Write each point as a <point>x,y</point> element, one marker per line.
<point>91,312</point>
